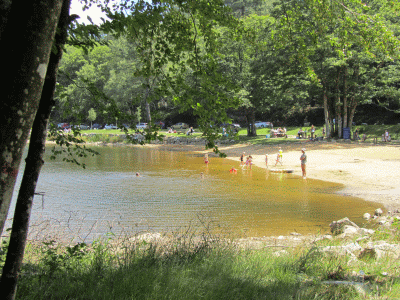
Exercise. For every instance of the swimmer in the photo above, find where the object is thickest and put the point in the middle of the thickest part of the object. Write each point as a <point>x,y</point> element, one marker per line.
<point>137,174</point>
<point>206,161</point>
<point>233,170</point>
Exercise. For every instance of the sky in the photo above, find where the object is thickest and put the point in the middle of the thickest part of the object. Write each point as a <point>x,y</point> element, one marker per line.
<point>94,11</point>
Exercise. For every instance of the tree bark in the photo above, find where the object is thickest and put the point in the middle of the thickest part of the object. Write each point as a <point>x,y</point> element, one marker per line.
<point>251,126</point>
<point>345,109</point>
<point>34,162</point>
<point>326,114</point>
<point>25,46</point>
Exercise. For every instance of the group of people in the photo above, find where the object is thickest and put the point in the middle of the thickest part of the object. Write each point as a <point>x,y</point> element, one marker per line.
<point>279,159</point>
<point>278,132</point>
<point>249,161</point>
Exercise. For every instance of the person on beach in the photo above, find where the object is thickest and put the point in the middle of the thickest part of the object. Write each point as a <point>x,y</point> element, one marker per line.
<point>303,161</point>
<point>323,132</point>
<point>206,161</point>
<point>242,158</point>
<point>278,159</point>
<point>364,137</point>
<point>356,136</point>
<point>312,131</point>
<point>386,136</point>
<point>280,155</point>
<point>266,160</point>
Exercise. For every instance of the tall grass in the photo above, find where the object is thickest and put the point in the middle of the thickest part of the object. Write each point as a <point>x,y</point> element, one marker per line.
<point>187,267</point>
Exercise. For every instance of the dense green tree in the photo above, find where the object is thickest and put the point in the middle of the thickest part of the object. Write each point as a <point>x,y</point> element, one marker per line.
<point>331,41</point>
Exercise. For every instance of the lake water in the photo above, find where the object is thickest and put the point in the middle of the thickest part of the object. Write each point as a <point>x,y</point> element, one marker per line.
<point>170,194</point>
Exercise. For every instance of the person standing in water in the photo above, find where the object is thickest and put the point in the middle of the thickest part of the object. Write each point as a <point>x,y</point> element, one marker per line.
<point>206,161</point>
<point>303,161</point>
<point>242,158</point>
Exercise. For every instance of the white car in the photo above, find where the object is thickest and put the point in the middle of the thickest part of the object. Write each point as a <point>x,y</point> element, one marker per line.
<point>260,124</point>
<point>110,126</point>
<point>141,126</point>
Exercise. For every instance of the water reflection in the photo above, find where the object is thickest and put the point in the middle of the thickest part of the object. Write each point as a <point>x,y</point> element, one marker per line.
<point>176,188</point>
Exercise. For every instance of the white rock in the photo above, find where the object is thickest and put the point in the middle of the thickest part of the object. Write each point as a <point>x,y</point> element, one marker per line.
<point>378,212</point>
<point>348,229</point>
<point>367,231</point>
<point>366,216</point>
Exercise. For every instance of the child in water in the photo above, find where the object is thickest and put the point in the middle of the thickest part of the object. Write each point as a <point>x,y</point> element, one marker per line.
<point>206,161</point>
<point>233,170</point>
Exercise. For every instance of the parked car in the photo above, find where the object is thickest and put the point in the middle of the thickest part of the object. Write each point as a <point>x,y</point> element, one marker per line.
<point>141,126</point>
<point>62,125</point>
<point>180,126</point>
<point>81,127</point>
<point>110,126</point>
<point>97,126</point>
<point>236,125</point>
<point>260,124</point>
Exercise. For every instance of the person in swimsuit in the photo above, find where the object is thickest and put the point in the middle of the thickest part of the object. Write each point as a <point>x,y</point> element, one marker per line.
<point>242,158</point>
<point>303,161</point>
<point>250,161</point>
<point>206,161</point>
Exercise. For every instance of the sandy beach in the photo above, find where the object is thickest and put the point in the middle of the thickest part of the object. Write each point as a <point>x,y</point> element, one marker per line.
<point>368,171</point>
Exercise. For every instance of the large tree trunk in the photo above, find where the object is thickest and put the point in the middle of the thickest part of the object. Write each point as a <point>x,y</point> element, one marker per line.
<point>326,114</point>
<point>251,120</point>
<point>345,114</point>
<point>34,162</point>
<point>25,47</point>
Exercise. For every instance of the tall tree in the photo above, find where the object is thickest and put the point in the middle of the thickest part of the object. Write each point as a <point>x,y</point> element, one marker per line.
<point>25,44</point>
<point>334,29</point>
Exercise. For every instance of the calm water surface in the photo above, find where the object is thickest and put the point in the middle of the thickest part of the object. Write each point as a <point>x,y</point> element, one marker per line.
<point>170,193</point>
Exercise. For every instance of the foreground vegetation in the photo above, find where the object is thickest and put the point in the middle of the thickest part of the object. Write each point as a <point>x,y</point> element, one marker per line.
<point>205,267</point>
